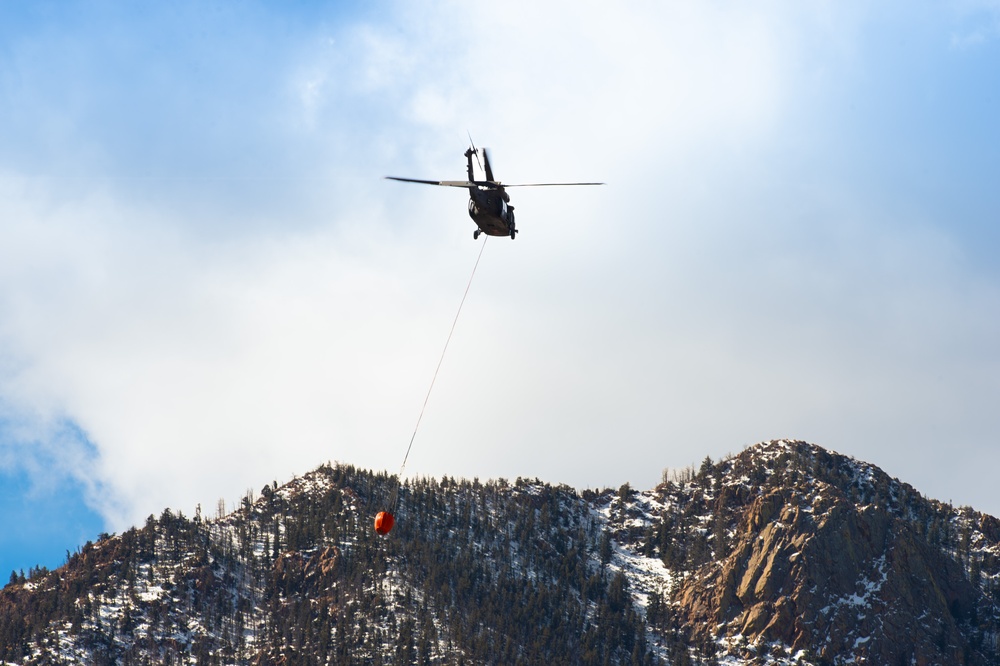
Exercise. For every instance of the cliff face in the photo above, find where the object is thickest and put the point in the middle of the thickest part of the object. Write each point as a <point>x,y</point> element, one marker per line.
<point>834,558</point>
<point>785,554</point>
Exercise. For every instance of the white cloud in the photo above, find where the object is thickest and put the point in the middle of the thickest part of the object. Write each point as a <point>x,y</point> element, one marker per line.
<point>714,293</point>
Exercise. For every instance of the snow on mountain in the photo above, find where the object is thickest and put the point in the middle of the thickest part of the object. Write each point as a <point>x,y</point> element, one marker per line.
<point>783,554</point>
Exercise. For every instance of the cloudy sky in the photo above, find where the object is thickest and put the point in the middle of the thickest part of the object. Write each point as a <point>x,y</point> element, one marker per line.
<point>206,285</point>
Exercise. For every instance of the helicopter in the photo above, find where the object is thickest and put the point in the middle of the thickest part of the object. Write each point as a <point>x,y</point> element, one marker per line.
<point>489,203</point>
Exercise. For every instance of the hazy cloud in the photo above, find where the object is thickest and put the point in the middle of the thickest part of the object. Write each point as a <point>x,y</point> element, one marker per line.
<point>212,287</point>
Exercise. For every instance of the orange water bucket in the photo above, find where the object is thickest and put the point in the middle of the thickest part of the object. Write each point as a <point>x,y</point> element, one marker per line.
<point>384,522</point>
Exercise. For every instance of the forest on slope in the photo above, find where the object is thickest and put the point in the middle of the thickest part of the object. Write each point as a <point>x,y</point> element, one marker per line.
<point>473,573</point>
<point>784,554</point>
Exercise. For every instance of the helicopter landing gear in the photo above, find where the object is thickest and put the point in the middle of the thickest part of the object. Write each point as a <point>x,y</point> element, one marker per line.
<point>475,234</point>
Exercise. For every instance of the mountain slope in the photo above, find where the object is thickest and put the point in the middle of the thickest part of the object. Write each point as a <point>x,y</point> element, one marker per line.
<point>802,552</point>
<point>785,553</point>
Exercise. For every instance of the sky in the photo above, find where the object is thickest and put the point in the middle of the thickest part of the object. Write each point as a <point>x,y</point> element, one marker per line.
<point>206,285</point>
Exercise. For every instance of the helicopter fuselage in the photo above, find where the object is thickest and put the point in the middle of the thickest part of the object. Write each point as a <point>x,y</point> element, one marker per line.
<point>489,209</point>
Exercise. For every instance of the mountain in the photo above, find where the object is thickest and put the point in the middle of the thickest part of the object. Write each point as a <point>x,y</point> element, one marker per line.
<point>783,554</point>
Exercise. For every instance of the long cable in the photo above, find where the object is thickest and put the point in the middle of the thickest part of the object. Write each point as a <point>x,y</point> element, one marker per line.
<point>399,478</point>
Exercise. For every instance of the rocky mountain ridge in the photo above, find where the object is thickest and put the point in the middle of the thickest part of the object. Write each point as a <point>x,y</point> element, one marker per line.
<point>818,554</point>
<point>783,554</point>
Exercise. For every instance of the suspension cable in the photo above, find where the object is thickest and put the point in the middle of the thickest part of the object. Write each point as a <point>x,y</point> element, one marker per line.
<point>399,478</point>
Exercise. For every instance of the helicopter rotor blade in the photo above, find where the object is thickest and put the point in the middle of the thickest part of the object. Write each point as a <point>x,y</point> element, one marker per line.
<point>548,184</point>
<point>476,152</point>
<point>442,183</point>
<point>489,184</point>
<point>487,169</point>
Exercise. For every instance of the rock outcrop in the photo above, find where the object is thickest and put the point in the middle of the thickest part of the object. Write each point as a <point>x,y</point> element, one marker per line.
<point>836,559</point>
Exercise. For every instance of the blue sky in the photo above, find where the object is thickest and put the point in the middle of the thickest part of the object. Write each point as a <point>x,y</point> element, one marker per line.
<point>205,284</point>
<point>40,520</point>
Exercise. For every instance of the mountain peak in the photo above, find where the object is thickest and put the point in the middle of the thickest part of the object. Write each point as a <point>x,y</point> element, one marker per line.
<point>783,554</point>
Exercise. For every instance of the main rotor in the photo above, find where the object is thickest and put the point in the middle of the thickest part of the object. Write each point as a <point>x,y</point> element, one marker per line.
<point>489,184</point>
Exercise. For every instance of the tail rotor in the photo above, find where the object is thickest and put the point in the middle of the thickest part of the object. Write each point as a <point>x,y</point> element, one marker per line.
<point>475,151</point>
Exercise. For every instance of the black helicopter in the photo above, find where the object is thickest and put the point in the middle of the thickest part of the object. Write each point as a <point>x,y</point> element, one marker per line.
<point>489,203</point>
